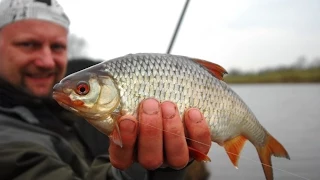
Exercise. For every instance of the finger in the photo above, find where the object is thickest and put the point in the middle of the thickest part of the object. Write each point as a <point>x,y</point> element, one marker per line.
<point>175,144</point>
<point>150,148</point>
<point>198,130</point>
<point>122,157</point>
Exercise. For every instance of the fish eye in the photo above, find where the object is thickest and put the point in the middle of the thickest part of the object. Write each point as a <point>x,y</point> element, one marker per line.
<point>82,88</point>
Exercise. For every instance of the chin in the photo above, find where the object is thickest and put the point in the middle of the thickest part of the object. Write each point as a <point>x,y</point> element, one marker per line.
<point>47,95</point>
<point>41,91</point>
<point>42,94</point>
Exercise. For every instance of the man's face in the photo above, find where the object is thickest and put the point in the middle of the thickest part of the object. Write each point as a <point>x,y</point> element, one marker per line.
<point>33,55</point>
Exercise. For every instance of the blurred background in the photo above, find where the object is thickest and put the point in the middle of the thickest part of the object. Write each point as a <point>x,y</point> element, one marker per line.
<point>271,49</point>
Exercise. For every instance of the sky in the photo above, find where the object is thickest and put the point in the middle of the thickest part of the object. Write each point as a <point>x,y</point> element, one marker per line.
<point>242,34</point>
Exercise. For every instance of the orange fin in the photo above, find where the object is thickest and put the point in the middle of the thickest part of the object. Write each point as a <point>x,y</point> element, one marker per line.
<point>197,155</point>
<point>272,147</point>
<point>233,148</point>
<point>215,69</point>
<point>116,136</point>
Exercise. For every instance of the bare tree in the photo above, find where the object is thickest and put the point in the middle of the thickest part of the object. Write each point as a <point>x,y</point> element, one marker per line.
<point>300,63</point>
<point>315,63</point>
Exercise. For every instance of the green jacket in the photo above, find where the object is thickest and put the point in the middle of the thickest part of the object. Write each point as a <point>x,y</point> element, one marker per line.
<point>41,140</point>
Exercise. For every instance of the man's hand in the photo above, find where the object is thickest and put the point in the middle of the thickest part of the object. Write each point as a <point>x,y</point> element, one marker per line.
<point>159,137</point>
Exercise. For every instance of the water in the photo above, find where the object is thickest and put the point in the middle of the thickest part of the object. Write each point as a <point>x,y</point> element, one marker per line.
<point>291,113</point>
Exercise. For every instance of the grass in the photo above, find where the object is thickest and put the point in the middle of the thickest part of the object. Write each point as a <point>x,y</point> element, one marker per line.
<point>311,75</point>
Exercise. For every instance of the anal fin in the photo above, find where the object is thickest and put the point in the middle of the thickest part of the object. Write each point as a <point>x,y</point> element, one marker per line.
<point>234,147</point>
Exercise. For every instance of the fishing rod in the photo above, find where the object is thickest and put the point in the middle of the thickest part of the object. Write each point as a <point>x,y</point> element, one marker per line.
<point>178,26</point>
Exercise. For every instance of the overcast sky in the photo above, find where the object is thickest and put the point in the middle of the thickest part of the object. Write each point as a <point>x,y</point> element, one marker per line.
<point>246,34</point>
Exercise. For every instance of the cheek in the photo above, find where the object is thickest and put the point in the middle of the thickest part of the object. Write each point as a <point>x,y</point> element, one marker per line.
<point>12,66</point>
<point>61,64</point>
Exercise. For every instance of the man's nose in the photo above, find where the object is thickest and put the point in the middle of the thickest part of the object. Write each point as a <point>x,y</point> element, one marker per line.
<point>45,58</point>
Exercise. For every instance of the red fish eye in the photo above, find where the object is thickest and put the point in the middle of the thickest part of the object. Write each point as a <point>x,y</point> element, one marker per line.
<point>82,88</point>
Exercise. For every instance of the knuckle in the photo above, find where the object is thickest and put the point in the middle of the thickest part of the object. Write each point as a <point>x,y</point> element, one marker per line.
<point>202,135</point>
<point>174,146</point>
<point>178,162</point>
<point>175,131</point>
<point>150,163</point>
<point>151,132</point>
<point>199,132</point>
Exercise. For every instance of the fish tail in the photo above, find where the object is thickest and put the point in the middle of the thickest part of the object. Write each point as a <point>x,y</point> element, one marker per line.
<point>272,147</point>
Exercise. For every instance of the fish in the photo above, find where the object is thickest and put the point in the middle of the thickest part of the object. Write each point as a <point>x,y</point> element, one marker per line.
<point>115,87</point>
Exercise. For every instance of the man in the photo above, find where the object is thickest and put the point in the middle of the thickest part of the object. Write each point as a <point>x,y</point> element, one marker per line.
<point>40,140</point>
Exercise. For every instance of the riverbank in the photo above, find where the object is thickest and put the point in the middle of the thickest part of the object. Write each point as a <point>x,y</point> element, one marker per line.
<point>311,75</point>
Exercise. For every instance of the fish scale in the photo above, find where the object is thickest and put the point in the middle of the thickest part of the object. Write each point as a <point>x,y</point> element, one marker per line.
<point>193,89</point>
<point>125,81</point>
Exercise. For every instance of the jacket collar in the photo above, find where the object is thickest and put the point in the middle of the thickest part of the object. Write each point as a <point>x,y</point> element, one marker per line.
<point>12,96</point>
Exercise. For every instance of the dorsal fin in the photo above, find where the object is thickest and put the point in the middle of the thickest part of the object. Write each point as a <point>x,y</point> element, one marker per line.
<point>217,70</point>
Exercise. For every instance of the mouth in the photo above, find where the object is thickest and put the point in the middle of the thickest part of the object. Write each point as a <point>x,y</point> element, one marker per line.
<point>40,75</point>
<point>40,78</point>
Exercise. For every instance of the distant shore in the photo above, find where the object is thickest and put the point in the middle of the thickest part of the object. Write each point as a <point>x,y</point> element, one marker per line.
<point>310,75</point>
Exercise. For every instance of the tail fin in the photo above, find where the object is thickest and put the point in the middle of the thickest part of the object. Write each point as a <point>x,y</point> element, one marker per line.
<point>272,147</point>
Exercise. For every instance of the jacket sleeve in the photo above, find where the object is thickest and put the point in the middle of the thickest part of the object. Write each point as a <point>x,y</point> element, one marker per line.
<point>28,153</point>
<point>25,160</point>
<point>32,161</point>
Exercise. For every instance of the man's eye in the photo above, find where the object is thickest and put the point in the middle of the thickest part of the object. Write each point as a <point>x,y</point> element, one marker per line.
<point>29,44</point>
<point>58,47</point>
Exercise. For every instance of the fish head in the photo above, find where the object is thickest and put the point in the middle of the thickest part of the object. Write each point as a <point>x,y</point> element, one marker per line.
<point>90,94</point>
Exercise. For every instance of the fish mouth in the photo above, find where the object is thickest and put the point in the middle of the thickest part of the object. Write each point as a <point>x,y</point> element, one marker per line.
<point>64,101</point>
<point>61,98</point>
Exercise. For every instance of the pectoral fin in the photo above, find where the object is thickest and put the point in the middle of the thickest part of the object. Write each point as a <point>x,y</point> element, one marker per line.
<point>116,136</point>
<point>234,147</point>
<point>109,127</point>
<point>197,155</point>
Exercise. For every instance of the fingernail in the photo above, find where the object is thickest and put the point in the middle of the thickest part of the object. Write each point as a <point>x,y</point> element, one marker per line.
<point>168,110</point>
<point>127,125</point>
<point>195,115</point>
<point>150,106</point>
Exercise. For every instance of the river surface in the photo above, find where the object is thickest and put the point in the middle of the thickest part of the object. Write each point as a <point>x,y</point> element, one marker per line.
<point>291,113</point>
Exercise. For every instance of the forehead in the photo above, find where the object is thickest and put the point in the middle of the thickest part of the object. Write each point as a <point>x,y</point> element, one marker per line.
<point>34,29</point>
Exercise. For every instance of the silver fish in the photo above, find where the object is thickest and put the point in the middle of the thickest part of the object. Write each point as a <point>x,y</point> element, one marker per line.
<point>115,87</point>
